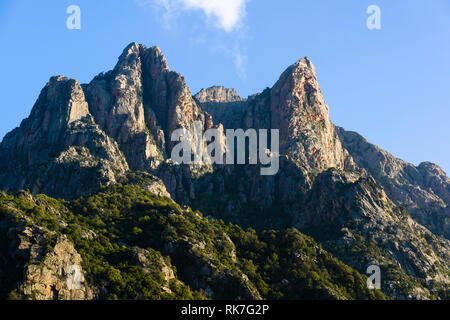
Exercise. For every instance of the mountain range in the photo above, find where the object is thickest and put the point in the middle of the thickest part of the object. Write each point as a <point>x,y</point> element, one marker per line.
<point>88,183</point>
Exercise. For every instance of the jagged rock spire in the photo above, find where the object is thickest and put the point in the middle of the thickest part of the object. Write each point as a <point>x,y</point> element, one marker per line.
<point>60,103</point>
<point>298,109</point>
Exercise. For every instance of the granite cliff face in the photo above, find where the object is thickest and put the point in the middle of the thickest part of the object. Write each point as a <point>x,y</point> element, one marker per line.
<point>59,149</point>
<point>140,103</point>
<point>298,110</point>
<point>332,184</point>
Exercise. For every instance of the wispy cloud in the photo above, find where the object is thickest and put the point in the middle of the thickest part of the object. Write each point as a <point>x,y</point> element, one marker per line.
<point>163,7</point>
<point>225,15</point>
<point>240,61</point>
<point>228,14</point>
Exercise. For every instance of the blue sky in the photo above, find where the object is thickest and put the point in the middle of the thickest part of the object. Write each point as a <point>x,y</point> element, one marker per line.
<point>390,85</point>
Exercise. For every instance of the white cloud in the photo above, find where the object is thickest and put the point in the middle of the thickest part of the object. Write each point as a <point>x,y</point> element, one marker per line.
<point>227,14</point>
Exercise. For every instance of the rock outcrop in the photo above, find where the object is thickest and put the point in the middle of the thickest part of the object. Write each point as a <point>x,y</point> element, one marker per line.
<point>218,94</point>
<point>58,277</point>
<point>147,260</point>
<point>41,264</point>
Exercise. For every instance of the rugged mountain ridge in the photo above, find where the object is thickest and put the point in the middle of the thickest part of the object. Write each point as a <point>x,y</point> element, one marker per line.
<point>332,184</point>
<point>424,190</point>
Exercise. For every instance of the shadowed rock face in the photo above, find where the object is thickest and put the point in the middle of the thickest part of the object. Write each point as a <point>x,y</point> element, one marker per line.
<point>81,137</point>
<point>218,94</point>
<point>59,149</point>
<point>343,207</point>
<point>423,190</point>
<point>224,105</point>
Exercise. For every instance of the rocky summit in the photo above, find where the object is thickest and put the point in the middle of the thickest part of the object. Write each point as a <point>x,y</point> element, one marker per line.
<point>93,207</point>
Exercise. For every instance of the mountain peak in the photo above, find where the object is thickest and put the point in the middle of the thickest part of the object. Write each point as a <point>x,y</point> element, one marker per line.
<point>298,109</point>
<point>133,46</point>
<point>154,56</point>
<point>305,61</point>
<point>218,94</point>
<point>62,99</point>
<point>301,68</point>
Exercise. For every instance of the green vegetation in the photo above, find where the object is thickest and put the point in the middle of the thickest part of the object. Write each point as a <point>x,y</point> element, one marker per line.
<point>206,256</point>
<point>281,262</point>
